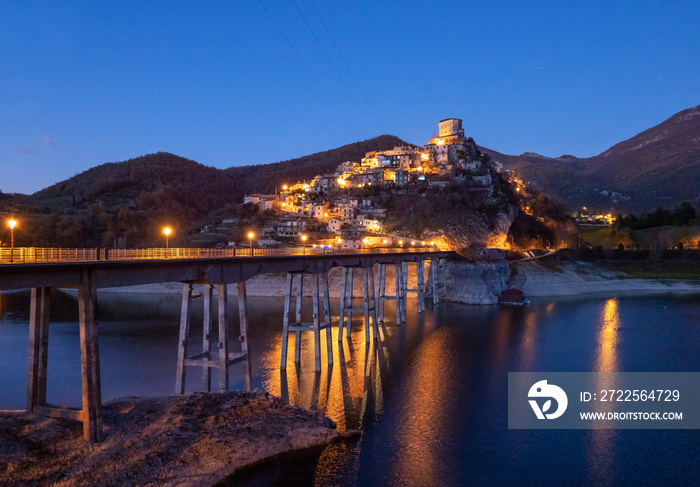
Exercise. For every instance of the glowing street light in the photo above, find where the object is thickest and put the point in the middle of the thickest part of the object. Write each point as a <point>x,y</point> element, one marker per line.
<point>12,224</point>
<point>167,231</point>
<point>251,236</point>
<point>303,239</point>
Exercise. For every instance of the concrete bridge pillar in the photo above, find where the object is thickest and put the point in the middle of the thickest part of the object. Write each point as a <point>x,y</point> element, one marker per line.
<point>369,307</point>
<point>220,358</point>
<point>91,412</point>
<point>398,296</point>
<point>419,290</point>
<point>297,326</point>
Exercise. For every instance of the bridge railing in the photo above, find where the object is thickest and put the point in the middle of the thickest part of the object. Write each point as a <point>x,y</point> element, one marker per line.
<point>39,255</point>
<point>35,254</point>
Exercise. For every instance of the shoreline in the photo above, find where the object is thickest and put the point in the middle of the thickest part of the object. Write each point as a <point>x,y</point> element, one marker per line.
<point>581,278</point>
<point>196,439</point>
<point>533,278</point>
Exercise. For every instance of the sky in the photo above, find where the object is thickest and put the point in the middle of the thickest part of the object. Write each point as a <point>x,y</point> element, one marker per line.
<point>229,83</point>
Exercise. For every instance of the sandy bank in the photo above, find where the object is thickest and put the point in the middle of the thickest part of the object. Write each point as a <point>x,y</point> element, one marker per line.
<point>570,278</point>
<point>198,439</point>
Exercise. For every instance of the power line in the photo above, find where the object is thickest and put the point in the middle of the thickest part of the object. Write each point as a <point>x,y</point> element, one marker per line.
<point>333,66</point>
<point>308,69</point>
<point>347,66</point>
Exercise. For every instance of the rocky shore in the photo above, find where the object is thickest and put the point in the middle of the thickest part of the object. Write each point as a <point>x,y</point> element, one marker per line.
<point>537,278</point>
<point>200,439</point>
<point>473,283</point>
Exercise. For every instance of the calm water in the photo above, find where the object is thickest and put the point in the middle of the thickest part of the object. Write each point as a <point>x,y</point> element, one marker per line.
<point>430,396</point>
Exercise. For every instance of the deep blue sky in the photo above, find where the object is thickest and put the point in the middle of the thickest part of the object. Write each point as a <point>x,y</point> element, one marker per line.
<point>83,83</point>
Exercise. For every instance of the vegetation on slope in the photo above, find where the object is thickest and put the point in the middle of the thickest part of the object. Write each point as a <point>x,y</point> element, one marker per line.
<point>266,178</point>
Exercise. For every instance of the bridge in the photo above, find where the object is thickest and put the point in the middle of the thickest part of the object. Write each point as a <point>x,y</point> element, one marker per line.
<point>88,270</point>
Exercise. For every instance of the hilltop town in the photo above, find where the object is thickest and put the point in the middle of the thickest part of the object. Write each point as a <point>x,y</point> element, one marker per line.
<point>344,208</point>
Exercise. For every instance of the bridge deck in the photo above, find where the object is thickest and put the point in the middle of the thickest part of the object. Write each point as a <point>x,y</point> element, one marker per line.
<point>213,270</point>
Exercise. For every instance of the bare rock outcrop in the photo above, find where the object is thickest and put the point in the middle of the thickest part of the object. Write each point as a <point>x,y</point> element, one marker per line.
<point>475,283</point>
<point>198,439</point>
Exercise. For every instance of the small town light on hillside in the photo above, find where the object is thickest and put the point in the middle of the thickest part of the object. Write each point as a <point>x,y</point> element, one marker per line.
<point>284,187</point>
<point>424,156</point>
<point>413,243</point>
<point>12,224</point>
<point>167,231</point>
<point>432,243</point>
<point>400,242</point>
<point>384,241</point>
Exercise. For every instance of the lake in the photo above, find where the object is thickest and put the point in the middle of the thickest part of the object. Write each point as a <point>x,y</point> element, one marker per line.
<point>430,396</point>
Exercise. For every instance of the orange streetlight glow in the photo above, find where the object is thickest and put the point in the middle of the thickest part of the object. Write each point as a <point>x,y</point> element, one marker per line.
<point>167,231</point>
<point>12,224</point>
<point>251,236</point>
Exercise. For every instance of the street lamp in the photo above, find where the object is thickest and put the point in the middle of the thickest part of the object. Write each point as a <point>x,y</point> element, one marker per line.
<point>303,239</point>
<point>12,224</point>
<point>167,231</point>
<point>251,236</point>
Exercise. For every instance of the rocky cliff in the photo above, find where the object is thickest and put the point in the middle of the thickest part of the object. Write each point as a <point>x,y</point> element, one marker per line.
<point>475,283</point>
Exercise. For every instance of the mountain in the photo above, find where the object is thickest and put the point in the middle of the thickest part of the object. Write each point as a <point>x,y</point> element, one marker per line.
<point>657,167</point>
<point>265,178</point>
<point>128,202</point>
<point>161,176</point>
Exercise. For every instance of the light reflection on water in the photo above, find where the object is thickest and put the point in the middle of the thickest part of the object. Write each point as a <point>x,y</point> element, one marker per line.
<point>430,396</point>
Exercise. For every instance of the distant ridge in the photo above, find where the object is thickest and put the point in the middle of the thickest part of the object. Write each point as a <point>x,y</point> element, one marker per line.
<point>657,167</point>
